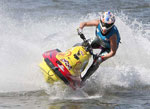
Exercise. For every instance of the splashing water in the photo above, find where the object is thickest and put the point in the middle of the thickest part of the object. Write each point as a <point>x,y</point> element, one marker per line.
<point>22,44</point>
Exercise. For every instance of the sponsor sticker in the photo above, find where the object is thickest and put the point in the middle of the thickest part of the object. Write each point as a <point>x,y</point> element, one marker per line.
<point>67,64</point>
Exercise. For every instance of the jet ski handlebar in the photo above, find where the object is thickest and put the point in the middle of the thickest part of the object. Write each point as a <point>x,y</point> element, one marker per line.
<point>86,44</point>
<point>82,37</point>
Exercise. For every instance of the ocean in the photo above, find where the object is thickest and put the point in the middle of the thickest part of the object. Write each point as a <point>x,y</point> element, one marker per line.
<point>30,27</point>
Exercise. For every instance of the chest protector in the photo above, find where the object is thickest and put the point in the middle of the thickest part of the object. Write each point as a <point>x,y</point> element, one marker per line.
<point>104,39</point>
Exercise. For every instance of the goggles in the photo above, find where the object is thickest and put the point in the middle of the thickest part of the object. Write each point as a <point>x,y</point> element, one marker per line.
<point>106,25</point>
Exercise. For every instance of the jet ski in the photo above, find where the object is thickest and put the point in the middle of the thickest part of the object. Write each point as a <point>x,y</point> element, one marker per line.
<point>66,66</point>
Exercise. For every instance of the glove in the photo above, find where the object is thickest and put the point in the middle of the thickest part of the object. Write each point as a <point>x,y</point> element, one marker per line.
<point>101,59</point>
<point>80,31</point>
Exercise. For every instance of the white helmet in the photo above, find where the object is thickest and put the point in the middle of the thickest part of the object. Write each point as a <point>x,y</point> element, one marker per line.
<point>107,21</point>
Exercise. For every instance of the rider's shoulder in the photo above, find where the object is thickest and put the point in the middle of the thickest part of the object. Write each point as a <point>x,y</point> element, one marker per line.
<point>114,27</point>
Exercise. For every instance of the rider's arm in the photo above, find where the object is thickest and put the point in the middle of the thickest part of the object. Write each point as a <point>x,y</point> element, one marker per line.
<point>113,47</point>
<point>89,23</point>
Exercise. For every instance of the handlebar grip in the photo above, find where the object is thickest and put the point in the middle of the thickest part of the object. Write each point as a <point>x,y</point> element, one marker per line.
<point>82,36</point>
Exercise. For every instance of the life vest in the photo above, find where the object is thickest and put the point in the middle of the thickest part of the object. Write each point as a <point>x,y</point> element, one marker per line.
<point>104,39</point>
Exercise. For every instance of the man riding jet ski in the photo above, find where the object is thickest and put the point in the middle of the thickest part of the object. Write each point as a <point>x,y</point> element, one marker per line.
<point>107,39</point>
<point>68,66</point>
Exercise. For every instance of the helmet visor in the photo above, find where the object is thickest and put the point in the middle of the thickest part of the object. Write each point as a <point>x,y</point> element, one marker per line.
<point>108,26</point>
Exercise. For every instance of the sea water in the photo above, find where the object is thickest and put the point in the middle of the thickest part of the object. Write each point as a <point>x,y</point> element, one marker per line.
<point>30,27</point>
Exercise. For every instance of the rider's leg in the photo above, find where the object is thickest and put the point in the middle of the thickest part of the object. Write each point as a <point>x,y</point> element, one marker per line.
<point>92,69</point>
<point>95,43</point>
<point>97,61</point>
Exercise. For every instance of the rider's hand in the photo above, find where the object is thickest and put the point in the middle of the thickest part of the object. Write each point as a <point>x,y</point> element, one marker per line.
<point>96,56</point>
<point>102,57</point>
<point>80,31</point>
